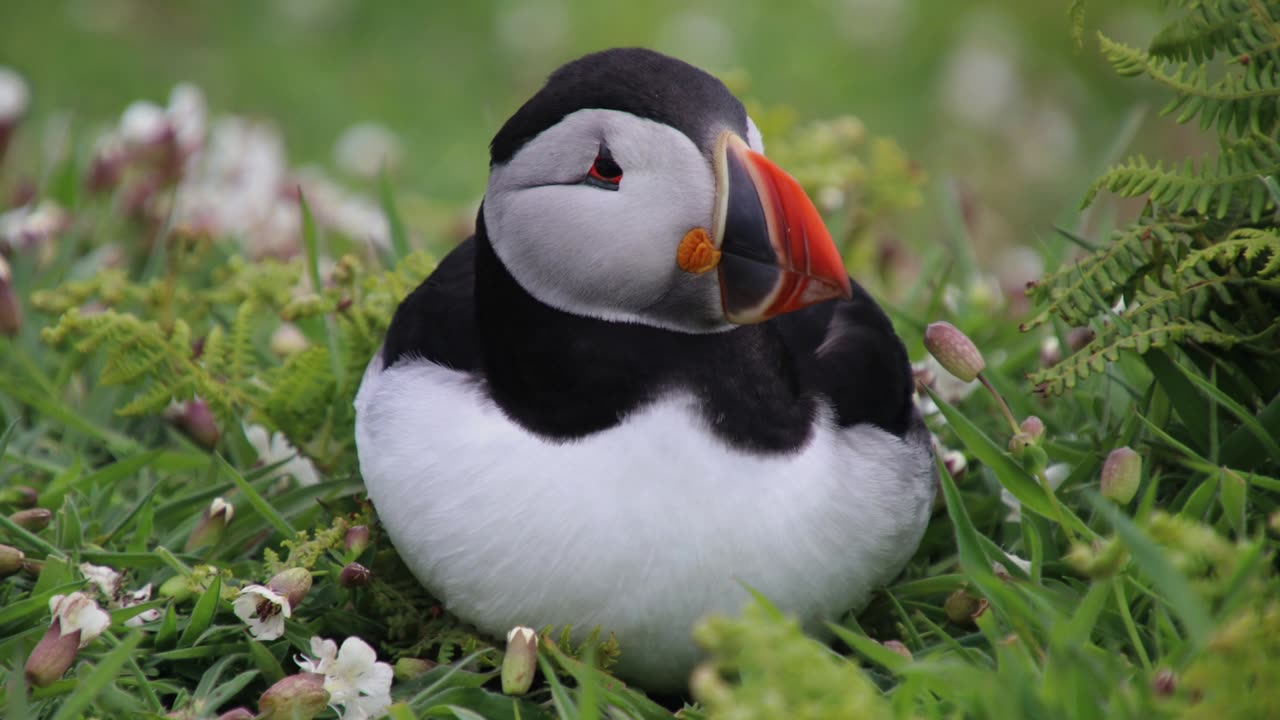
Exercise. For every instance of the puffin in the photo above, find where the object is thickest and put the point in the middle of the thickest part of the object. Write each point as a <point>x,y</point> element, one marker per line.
<point>646,387</point>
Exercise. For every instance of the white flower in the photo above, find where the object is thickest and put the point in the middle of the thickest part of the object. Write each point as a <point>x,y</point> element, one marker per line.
<point>137,597</point>
<point>273,447</point>
<point>263,609</point>
<point>14,96</point>
<point>186,114</point>
<point>144,123</point>
<point>365,149</point>
<point>29,226</point>
<point>359,687</point>
<point>220,505</point>
<point>78,611</point>
<point>107,580</point>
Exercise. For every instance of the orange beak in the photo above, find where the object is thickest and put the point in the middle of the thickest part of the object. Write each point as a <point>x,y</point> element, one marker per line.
<point>776,253</point>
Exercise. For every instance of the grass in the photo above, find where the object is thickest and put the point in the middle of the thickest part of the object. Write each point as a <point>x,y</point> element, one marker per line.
<point>136,391</point>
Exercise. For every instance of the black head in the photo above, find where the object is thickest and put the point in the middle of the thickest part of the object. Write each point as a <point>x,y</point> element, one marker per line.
<point>641,82</point>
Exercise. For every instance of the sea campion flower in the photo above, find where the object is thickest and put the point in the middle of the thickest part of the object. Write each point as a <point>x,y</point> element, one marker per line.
<point>367,149</point>
<point>77,621</point>
<point>521,661</point>
<point>354,575</point>
<point>274,447</point>
<point>359,686</point>
<point>107,579</point>
<point>356,539</point>
<point>263,609</point>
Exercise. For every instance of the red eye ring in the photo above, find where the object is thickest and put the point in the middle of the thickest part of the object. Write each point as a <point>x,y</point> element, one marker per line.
<point>605,172</point>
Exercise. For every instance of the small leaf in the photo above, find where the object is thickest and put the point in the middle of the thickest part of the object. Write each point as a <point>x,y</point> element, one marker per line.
<point>202,614</point>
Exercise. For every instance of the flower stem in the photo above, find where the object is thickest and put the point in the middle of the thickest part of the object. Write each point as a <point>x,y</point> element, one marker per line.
<point>1008,414</point>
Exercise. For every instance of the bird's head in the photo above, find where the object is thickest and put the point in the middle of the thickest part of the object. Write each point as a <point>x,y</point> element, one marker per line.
<point>633,187</point>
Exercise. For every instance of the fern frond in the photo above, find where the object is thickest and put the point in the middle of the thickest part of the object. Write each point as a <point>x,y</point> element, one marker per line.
<point>1215,187</point>
<point>1249,245</point>
<point>1209,28</point>
<point>1077,293</point>
<point>240,353</point>
<point>1243,101</point>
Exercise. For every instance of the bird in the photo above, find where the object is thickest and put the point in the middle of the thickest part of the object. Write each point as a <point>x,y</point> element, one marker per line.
<point>646,387</point>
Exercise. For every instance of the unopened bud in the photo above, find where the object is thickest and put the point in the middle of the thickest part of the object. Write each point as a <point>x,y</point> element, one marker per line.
<point>354,575</point>
<point>10,307</point>
<point>178,588</point>
<point>14,99</point>
<point>296,697</point>
<point>1273,523</point>
<point>196,420</point>
<point>521,661</point>
<point>955,463</point>
<point>1121,474</point>
<point>1019,443</point>
<point>1078,338</point>
<point>898,648</point>
<point>1097,560</point>
<point>293,583</point>
<point>22,496</point>
<point>237,714</point>
<point>52,656</point>
<point>953,350</point>
<point>33,519</point>
<point>288,340</point>
<point>212,524</point>
<point>10,560</point>
<point>1164,683</point>
<point>960,607</point>
<point>408,668</point>
<point>356,539</point>
<point>1033,427</point>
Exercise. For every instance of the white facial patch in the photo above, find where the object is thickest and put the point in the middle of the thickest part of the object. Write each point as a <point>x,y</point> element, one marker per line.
<point>607,254</point>
<point>754,141</point>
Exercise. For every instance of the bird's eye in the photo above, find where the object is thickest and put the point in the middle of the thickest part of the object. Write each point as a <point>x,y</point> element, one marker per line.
<point>605,172</point>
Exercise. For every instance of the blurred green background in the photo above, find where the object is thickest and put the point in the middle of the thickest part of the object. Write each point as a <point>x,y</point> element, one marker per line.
<point>993,97</point>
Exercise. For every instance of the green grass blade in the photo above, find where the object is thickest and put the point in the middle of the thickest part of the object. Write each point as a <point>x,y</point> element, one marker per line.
<point>265,509</point>
<point>202,615</point>
<point>395,225</point>
<point>1157,566</point>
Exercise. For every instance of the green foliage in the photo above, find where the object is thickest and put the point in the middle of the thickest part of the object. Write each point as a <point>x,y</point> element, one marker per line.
<point>233,307</point>
<point>1199,267</point>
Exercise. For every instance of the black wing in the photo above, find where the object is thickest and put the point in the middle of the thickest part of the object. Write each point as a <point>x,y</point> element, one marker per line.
<point>436,322</point>
<point>847,351</point>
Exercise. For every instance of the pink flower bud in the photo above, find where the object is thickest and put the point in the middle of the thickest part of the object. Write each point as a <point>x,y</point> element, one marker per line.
<point>33,519</point>
<point>1164,682</point>
<point>357,539</point>
<point>10,560</point>
<point>10,306</point>
<point>237,714</point>
<point>354,575</point>
<point>898,648</point>
<point>960,607</point>
<point>521,661</point>
<point>408,668</point>
<point>953,350</point>
<point>212,524</point>
<point>1121,474</point>
<point>296,697</point>
<point>288,340</point>
<point>52,655</point>
<point>22,496</point>
<point>293,584</point>
<point>1033,427</point>
<point>196,420</point>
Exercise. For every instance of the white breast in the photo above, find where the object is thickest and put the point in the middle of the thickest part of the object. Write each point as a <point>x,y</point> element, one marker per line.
<point>640,529</point>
